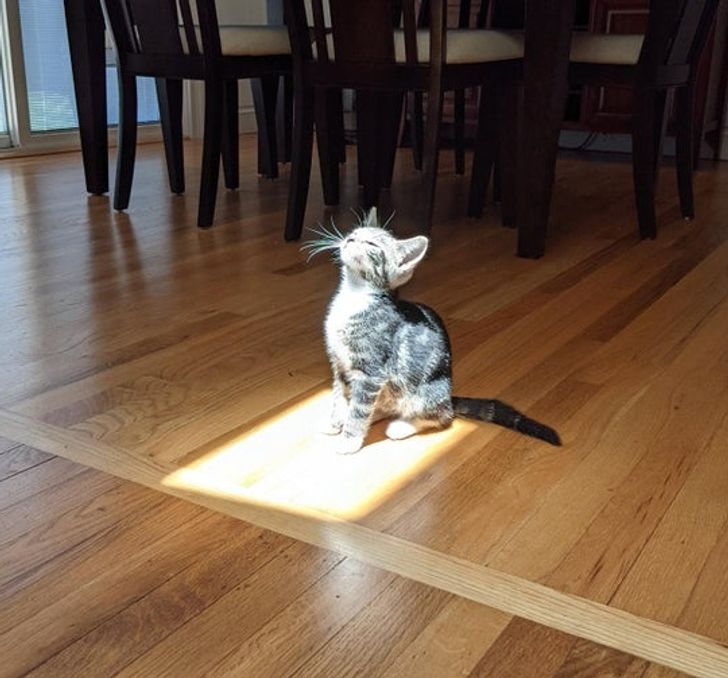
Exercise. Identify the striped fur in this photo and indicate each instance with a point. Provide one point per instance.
(391, 359)
(502, 414)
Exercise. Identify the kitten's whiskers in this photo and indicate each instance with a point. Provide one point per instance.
(328, 240)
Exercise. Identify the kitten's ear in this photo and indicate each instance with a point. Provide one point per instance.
(371, 218)
(411, 252)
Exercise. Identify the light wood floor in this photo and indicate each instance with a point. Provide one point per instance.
(103, 577)
(191, 362)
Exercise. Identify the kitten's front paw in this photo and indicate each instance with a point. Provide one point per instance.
(331, 428)
(349, 445)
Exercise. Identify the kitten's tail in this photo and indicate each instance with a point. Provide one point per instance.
(502, 414)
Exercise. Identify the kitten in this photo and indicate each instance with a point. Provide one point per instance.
(391, 358)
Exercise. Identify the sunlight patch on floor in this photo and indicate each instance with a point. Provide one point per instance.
(285, 463)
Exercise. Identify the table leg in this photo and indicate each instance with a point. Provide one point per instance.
(85, 26)
(546, 64)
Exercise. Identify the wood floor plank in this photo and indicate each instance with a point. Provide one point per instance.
(378, 633)
(42, 545)
(524, 649)
(587, 660)
(36, 480)
(40, 636)
(599, 623)
(616, 435)
(19, 458)
(452, 643)
(222, 626)
(193, 362)
(38, 509)
(613, 541)
(313, 619)
(688, 541)
(122, 637)
(335, 622)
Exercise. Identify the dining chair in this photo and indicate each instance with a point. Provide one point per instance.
(662, 61)
(176, 40)
(416, 103)
(362, 50)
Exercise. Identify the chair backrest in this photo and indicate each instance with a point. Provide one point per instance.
(163, 27)
(676, 32)
(692, 31)
(362, 30)
(465, 14)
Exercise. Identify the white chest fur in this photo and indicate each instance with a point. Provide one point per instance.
(353, 296)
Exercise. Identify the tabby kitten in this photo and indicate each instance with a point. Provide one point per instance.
(391, 358)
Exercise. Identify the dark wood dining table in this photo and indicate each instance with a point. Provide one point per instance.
(548, 29)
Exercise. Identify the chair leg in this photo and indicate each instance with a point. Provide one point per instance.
(265, 93)
(416, 128)
(328, 143)
(391, 121)
(459, 131)
(211, 147)
(498, 177)
(301, 152)
(169, 97)
(507, 163)
(127, 140)
(284, 118)
(647, 120)
(684, 155)
(367, 146)
(231, 136)
(337, 122)
(486, 145)
(431, 150)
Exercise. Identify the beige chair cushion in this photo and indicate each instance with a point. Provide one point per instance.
(249, 40)
(464, 46)
(593, 48)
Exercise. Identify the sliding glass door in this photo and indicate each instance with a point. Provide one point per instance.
(38, 82)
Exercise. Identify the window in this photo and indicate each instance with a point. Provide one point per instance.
(41, 78)
(3, 112)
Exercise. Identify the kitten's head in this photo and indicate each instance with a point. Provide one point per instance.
(374, 254)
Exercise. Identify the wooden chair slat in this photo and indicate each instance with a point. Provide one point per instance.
(319, 30)
(438, 32)
(119, 23)
(210, 32)
(464, 14)
(363, 30)
(693, 27)
(157, 26)
(481, 20)
(409, 25)
(189, 27)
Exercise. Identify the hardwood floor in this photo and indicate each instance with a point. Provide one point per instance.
(191, 362)
(116, 579)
